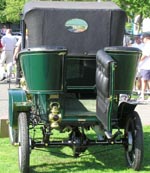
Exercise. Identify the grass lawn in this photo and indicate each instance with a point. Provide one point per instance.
(99, 159)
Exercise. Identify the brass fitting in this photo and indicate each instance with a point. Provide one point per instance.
(55, 116)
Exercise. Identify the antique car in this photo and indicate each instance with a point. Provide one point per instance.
(75, 69)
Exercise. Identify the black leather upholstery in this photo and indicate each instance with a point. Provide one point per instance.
(103, 80)
(103, 61)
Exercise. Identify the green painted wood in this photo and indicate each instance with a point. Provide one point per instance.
(43, 70)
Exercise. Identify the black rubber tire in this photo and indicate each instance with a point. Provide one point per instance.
(23, 139)
(13, 135)
(134, 155)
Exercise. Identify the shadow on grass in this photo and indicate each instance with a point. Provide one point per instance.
(146, 160)
(96, 159)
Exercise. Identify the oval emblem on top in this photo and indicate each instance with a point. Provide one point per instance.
(76, 25)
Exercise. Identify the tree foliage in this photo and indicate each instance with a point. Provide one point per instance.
(134, 8)
(2, 7)
(10, 9)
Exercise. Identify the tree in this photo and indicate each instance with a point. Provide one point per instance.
(10, 10)
(134, 8)
(13, 10)
(2, 7)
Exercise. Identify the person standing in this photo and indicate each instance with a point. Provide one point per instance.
(16, 57)
(138, 44)
(16, 60)
(8, 42)
(145, 64)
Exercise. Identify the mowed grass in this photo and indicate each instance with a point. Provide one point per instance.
(97, 159)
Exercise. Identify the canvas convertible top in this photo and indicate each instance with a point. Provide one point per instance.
(81, 27)
(70, 5)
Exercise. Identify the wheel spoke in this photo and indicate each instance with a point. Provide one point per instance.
(134, 135)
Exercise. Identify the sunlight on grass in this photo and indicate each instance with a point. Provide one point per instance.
(99, 159)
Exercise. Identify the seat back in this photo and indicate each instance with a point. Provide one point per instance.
(127, 59)
(43, 68)
(104, 86)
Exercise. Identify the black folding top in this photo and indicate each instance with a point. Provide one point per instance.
(70, 5)
(81, 27)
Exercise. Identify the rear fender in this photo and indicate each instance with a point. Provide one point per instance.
(17, 103)
(125, 110)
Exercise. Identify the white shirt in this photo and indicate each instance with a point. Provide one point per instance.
(139, 46)
(145, 64)
(9, 42)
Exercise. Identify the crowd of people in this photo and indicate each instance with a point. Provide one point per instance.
(142, 81)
